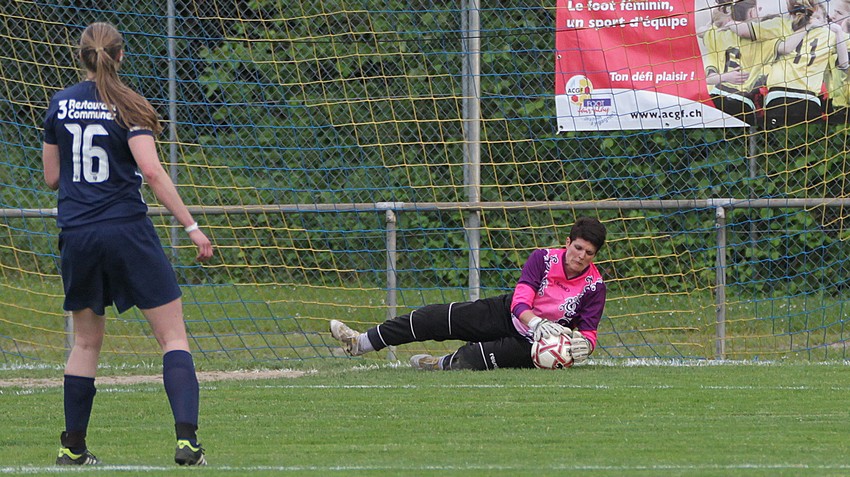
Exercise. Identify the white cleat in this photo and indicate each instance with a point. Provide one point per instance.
(425, 362)
(349, 338)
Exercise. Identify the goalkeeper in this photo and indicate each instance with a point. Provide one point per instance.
(559, 291)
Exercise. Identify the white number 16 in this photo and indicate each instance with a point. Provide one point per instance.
(86, 154)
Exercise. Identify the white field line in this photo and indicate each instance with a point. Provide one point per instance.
(111, 469)
(619, 362)
(34, 385)
(373, 387)
(368, 387)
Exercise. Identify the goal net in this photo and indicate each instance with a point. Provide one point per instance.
(356, 161)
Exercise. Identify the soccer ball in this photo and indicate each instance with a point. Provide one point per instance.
(552, 352)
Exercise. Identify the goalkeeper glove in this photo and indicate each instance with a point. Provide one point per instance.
(541, 328)
(579, 347)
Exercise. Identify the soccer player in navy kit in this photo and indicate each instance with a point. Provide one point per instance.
(98, 146)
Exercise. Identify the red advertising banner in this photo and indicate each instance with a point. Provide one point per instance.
(628, 64)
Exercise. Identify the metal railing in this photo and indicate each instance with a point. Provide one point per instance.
(721, 207)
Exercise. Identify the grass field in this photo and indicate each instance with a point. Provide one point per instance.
(362, 417)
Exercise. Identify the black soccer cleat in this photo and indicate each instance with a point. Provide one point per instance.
(66, 457)
(188, 455)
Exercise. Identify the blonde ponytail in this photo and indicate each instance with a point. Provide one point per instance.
(101, 52)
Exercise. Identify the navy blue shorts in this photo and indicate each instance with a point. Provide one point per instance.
(120, 262)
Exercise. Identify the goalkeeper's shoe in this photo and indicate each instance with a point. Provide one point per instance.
(66, 457)
(188, 455)
(425, 362)
(349, 338)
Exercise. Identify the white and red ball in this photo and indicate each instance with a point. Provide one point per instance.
(552, 352)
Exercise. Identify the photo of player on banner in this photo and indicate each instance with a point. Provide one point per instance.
(699, 64)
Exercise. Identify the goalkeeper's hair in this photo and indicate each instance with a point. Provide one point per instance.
(589, 229)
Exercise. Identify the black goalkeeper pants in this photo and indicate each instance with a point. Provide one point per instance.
(486, 326)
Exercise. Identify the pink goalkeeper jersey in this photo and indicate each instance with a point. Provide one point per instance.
(544, 288)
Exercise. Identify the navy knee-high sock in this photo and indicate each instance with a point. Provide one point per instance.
(79, 396)
(181, 386)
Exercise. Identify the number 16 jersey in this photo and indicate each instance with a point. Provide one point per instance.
(98, 176)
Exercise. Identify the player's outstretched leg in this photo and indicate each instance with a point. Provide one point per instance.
(509, 352)
(186, 454)
(353, 342)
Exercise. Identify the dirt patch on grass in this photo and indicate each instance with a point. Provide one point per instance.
(203, 377)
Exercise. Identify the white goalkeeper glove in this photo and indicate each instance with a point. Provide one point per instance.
(541, 328)
(579, 347)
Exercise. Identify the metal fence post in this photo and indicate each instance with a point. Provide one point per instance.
(471, 71)
(720, 291)
(174, 230)
(392, 273)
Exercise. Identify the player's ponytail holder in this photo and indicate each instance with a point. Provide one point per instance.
(191, 228)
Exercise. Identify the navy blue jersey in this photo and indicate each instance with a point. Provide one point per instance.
(98, 176)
